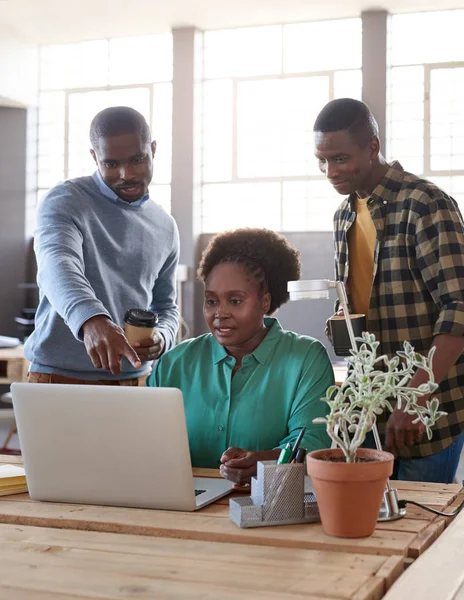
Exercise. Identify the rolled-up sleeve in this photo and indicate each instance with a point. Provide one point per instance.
(440, 258)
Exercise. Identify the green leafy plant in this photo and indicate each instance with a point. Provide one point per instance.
(368, 391)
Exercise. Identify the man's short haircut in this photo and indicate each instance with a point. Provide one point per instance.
(347, 114)
(118, 120)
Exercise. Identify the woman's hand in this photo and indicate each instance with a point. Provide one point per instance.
(239, 465)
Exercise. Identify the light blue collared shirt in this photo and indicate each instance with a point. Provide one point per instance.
(111, 194)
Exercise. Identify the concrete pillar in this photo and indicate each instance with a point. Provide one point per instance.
(186, 153)
(374, 66)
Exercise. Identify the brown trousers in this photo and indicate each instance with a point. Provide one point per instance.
(50, 378)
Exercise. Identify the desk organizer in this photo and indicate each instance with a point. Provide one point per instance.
(277, 498)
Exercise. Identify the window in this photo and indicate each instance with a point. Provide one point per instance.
(263, 89)
(79, 80)
(425, 97)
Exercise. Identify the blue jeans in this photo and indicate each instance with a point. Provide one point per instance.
(437, 468)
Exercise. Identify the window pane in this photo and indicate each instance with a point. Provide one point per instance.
(83, 106)
(217, 130)
(323, 45)
(452, 185)
(259, 109)
(309, 205)
(143, 59)
(243, 52)
(74, 65)
(447, 119)
(275, 121)
(348, 84)
(232, 205)
(162, 131)
(414, 37)
(161, 194)
(50, 139)
(405, 114)
(440, 129)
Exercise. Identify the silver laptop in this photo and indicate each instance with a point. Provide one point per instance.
(110, 445)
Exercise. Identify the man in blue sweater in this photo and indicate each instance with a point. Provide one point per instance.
(103, 247)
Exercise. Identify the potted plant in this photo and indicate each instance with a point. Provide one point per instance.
(349, 481)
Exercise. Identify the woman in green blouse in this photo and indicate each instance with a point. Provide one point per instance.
(249, 386)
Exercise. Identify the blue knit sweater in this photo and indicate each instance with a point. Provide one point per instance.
(97, 254)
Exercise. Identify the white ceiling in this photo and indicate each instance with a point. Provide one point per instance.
(57, 21)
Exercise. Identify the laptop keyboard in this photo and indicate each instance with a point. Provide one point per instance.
(198, 492)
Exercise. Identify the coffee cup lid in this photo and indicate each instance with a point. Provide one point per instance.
(141, 318)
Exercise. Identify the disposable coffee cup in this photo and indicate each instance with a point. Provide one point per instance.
(139, 324)
(339, 332)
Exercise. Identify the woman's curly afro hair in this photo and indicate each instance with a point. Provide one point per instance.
(264, 254)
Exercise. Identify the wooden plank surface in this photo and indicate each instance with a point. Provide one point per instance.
(209, 524)
(439, 573)
(39, 563)
(407, 537)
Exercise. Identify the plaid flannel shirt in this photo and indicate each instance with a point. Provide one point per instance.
(418, 286)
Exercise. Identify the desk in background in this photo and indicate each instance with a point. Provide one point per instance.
(13, 365)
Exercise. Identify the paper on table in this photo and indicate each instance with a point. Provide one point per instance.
(11, 472)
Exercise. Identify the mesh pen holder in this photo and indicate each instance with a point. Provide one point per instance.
(277, 498)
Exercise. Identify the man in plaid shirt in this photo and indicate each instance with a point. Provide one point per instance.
(399, 248)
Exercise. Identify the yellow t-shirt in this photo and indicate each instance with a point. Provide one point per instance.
(361, 247)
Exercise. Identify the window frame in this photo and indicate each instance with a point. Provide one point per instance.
(105, 87)
(280, 179)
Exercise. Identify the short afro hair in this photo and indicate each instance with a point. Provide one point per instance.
(347, 114)
(264, 254)
(118, 120)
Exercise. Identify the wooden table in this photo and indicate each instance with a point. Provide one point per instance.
(57, 551)
(444, 561)
(38, 563)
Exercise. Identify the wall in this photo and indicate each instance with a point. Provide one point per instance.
(306, 316)
(19, 62)
(18, 101)
(13, 125)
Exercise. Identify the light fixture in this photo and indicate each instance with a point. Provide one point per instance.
(312, 289)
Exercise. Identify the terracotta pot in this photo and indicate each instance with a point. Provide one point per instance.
(349, 495)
